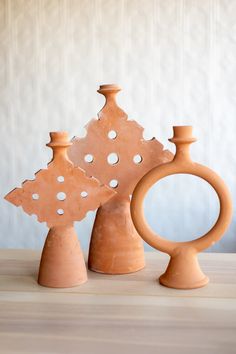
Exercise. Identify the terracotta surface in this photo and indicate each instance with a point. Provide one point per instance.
(115, 246)
(183, 271)
(115, 236)
(60, 195)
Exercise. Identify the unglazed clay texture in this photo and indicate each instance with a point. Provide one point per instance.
(176, 62)
(115, 152)
(60, 195)
(183, 270)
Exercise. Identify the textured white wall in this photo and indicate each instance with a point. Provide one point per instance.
(175, 60)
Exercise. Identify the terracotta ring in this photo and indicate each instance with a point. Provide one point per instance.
(168, 169)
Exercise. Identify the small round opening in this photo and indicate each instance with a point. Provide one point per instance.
(113, 183)
(88, 158)
(137, 159)
(112, 134)
(61, 196)
(84, 194)
(60, 179)
(112, 158)
(60, 211)
(35, 196)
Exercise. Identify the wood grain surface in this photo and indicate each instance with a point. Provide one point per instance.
(117, 314)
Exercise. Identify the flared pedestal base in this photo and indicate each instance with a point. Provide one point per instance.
(115, 246)
(184, 272)
(62, 263)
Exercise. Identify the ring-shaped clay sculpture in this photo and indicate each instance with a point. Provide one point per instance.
(183, 271)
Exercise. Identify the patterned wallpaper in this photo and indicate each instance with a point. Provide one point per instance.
(174, 59)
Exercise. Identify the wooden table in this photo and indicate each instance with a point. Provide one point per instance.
(122, 314)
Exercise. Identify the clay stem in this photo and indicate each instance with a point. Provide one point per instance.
(182, 152)
(110, 97)
(59, 152)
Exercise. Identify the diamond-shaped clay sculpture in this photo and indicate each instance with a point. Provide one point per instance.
(115, 152)
(60, 195)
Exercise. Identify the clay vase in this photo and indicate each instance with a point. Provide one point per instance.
(60, 195)
(115, 152)
(183, 271)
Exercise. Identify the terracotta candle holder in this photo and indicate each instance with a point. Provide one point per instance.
(183, 271)
(60, 195)
(115, 152)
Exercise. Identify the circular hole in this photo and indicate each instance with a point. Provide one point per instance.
(60, 179)
(61, 196)
(113, 183)
(35, 196)
(88, 158)
(84, 194)
(60, 211)
(181, 207)
(112, 134)
(112, 158)
(137, 159)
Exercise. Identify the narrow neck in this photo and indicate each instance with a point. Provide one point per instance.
(59, 152)
(110, 97)
(59, 144)
(182, 152)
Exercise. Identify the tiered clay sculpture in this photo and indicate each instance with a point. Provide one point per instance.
(115, 152)
(60, 195)
(183, 271)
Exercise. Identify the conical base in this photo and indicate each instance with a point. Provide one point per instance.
(184, 272)
(115, 246)
(62, 263)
